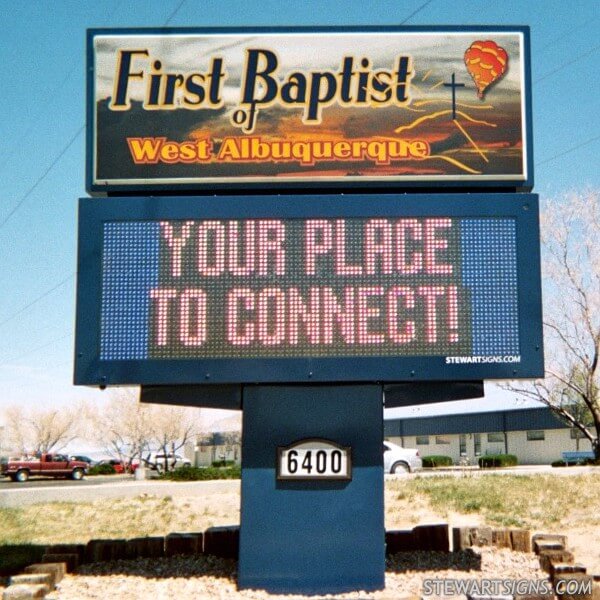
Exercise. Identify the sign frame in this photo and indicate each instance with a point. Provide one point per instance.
(90, 370)
(101, 187)
(345, 476)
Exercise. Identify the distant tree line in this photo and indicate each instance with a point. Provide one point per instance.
(123, 427)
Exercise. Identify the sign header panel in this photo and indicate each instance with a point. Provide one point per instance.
(339, 108)
(339, 289)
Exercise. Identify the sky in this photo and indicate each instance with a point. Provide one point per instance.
(42, 143)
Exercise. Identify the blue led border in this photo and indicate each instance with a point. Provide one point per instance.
(93, 214)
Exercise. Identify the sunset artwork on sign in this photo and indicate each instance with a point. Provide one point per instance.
(195, 109)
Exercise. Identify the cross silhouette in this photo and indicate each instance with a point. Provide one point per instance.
(454, 85)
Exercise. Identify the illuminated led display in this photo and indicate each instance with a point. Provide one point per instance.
(308, 287)
(194, 295)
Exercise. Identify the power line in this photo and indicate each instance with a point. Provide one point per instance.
(547, 160)
(67, 146)
(412, 14)
(54, 95)
(26, 134)
(40, 297)
(172, 15)
(567, 64)
(38, 348)
(42, 177)
(565, 34)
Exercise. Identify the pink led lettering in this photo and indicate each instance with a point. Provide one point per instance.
(367, 311)
(430, 293)
(211, 248)
(452, 296)
(176, 243)
(341, 267)
(318, 242)
(308, 287)
(433, 244)
(240, 333)
(192, 331)
(406, 229)
(241, 258)
(271, 239)
(406, 296)
(162, 296)
(309, 315)
(378, 245)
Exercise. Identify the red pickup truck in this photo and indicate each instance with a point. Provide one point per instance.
(48, 465)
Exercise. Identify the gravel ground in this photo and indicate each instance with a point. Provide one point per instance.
(186, 577)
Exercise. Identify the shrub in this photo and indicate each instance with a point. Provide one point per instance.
(497, 460)
(434, 460)
(202, 473)
(559, 463)
(104, 469)
(223, 463)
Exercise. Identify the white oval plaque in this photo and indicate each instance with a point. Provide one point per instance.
(314, 458)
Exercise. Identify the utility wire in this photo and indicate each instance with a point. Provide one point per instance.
(569, 150)
(52, 94)
(66, 147)
(567, 64)
(26, 134)
(36, 184)
(412, 14)
(172, 15)
(565, 35)
(38, 348)
(42, 177)
(40, 297)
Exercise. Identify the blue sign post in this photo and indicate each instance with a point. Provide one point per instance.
(315, 535)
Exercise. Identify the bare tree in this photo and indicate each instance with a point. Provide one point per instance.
(130, 430)
(35, 430)
(571, 267)
(123, 426)
(172, 427)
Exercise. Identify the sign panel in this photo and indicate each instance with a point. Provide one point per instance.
(329, 107)
(342, 288)
(314, 458)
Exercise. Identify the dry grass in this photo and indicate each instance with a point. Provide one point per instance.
(70, 522)
(542, 501)
(516, 500)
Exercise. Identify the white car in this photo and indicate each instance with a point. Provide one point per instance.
(157, 462)
(397, 459)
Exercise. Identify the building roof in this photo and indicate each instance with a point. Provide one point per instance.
(483, 422)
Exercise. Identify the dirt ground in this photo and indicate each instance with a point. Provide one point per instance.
(583, 535)
(570, 507)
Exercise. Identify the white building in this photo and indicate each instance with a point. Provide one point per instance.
(218, 446)
(534, 435)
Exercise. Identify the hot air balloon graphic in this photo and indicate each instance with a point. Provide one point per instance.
(486, 62)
